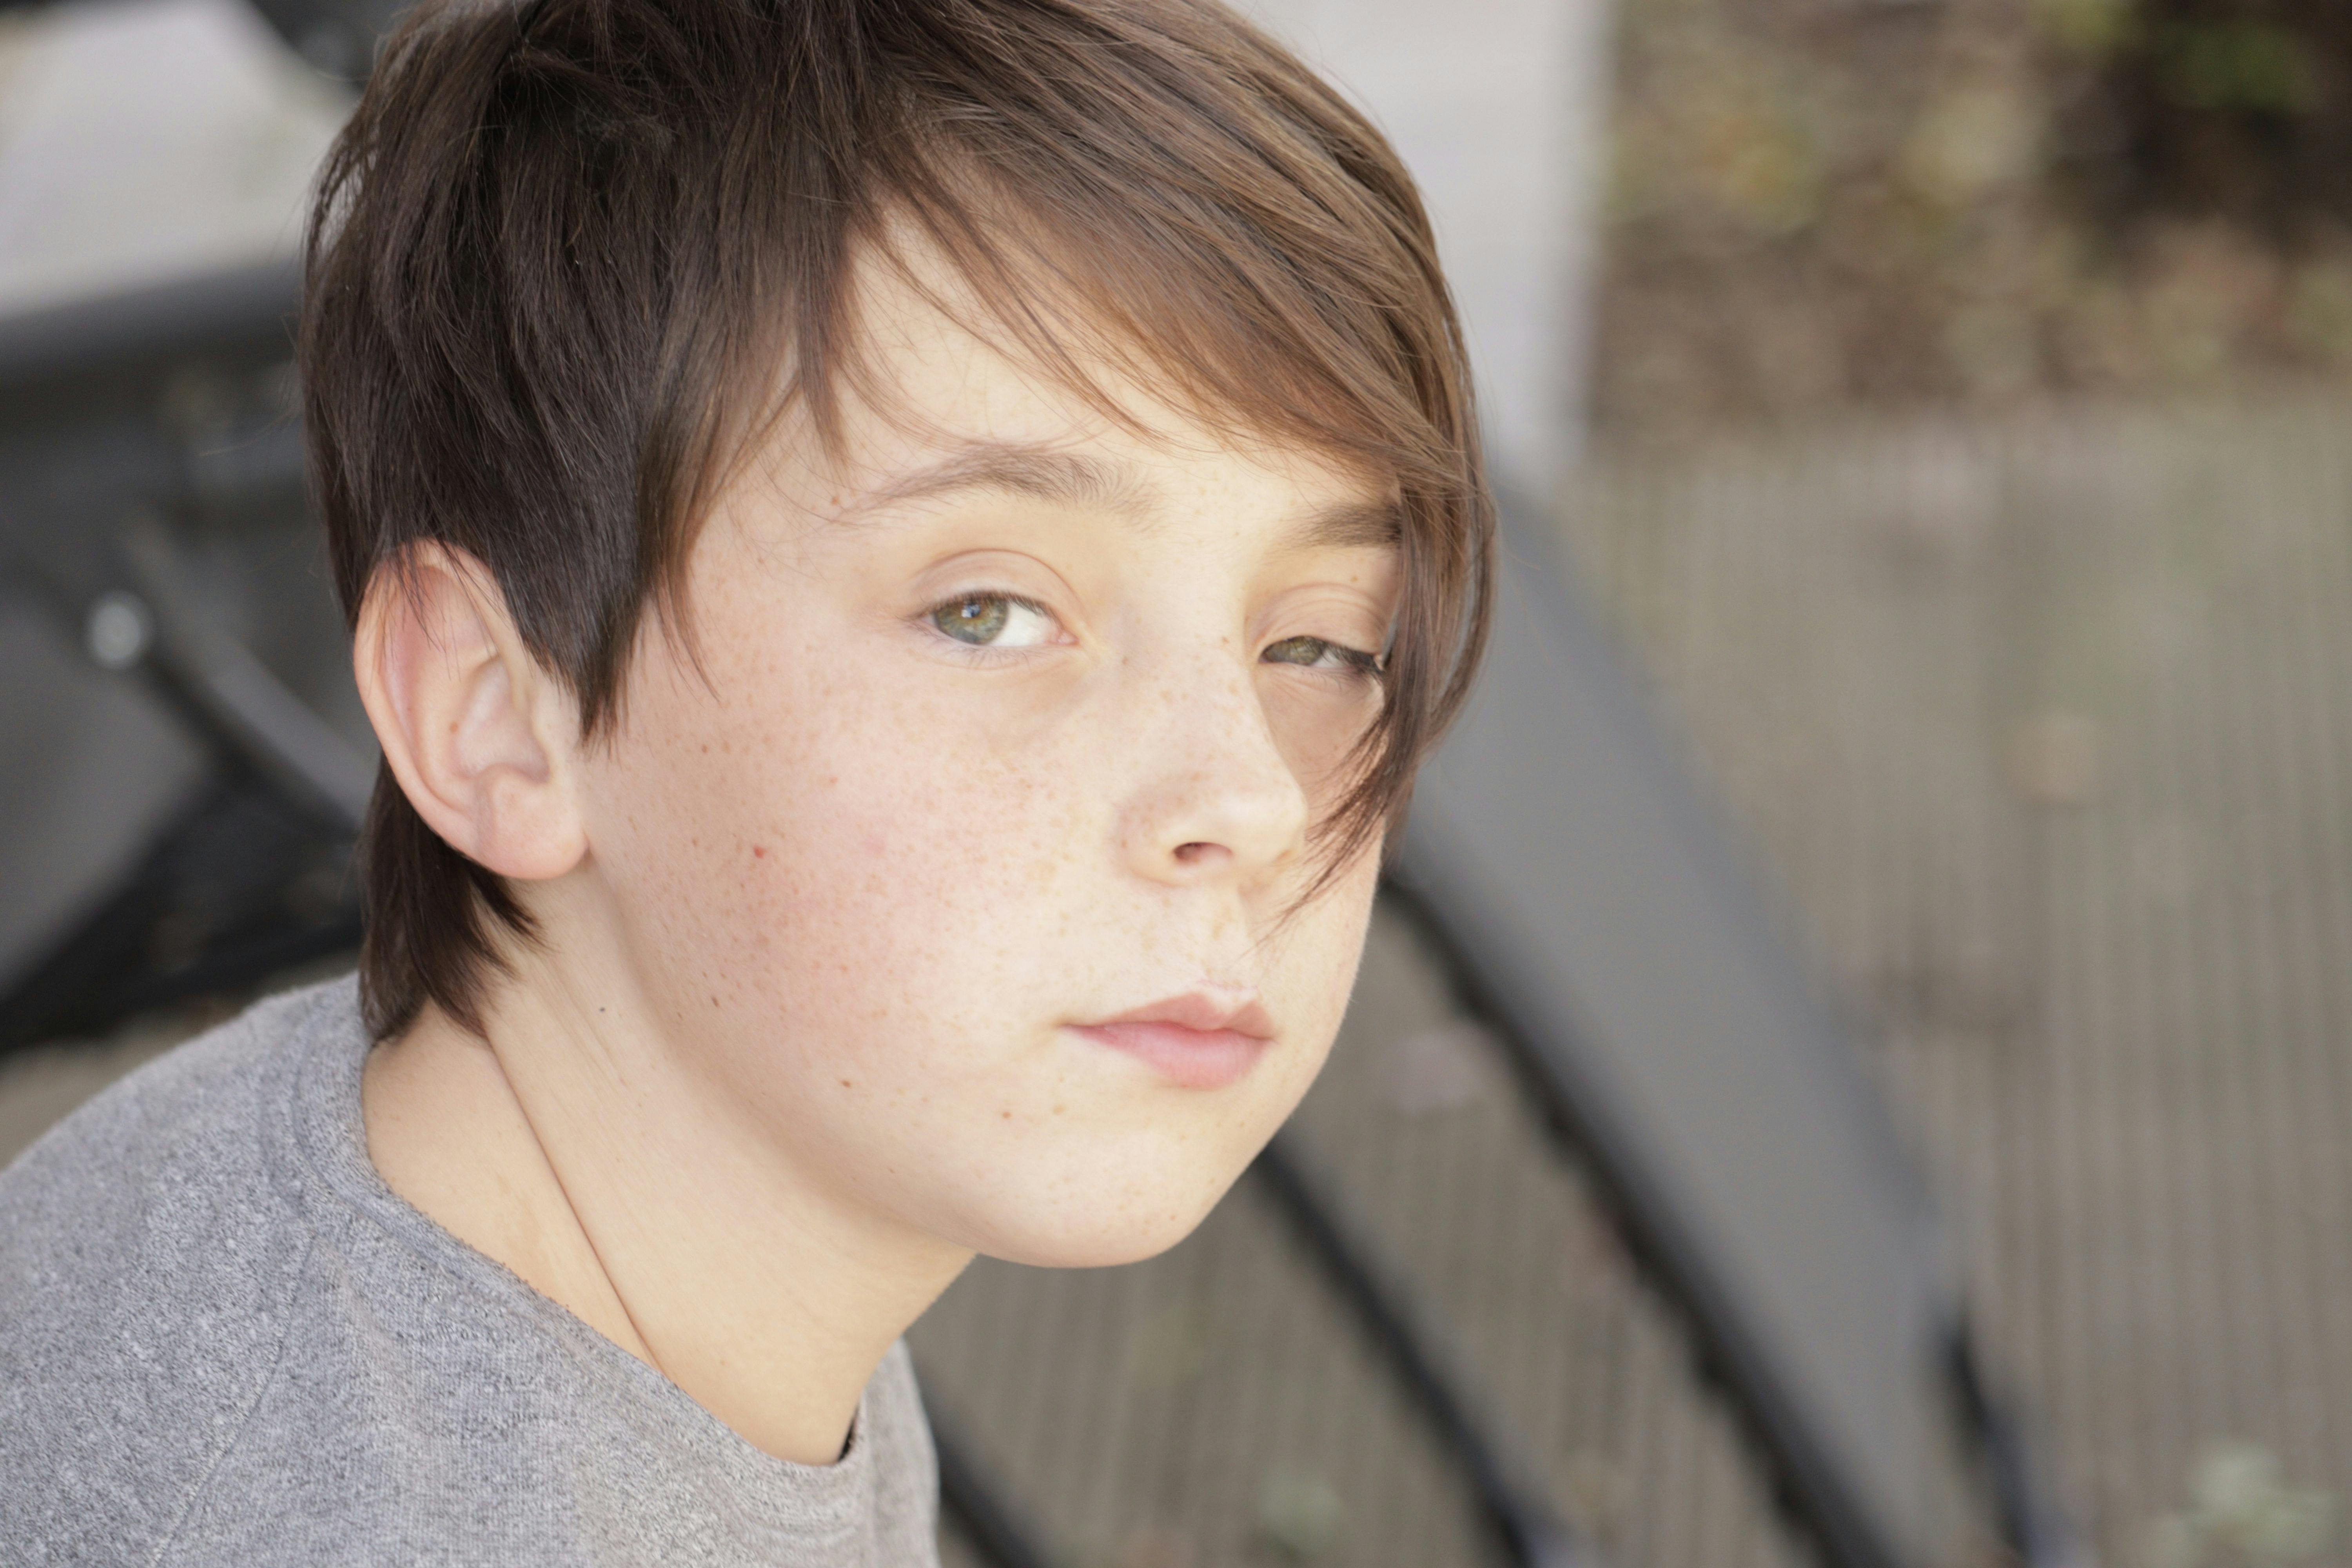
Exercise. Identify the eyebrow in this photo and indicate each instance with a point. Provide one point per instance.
(1069, 479)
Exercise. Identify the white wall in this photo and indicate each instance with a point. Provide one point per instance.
(1497, 106)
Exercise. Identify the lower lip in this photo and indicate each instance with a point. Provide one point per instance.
(1190, 1058)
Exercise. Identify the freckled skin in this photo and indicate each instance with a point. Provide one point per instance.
(967, 858)
(793, 1045)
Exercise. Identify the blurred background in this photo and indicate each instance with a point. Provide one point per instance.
(1941, 404)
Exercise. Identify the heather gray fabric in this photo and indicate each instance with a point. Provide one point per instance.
(224, 1340)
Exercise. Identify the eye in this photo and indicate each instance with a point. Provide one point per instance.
(1316, 653)
(994, 620)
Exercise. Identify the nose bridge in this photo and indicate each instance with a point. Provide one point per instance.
(1209, 770)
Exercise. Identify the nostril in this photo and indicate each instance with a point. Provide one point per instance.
(1192, 853)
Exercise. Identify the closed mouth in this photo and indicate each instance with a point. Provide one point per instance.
(1196, 1040)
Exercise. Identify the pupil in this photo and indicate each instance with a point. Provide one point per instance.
(974, 620)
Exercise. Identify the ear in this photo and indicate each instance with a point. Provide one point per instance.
(483, 740)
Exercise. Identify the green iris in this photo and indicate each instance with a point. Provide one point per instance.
(977, 620)
(1297, 651)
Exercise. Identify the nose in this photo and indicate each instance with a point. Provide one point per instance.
(1213, 797)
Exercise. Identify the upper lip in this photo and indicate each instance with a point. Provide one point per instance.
(1242, 1013)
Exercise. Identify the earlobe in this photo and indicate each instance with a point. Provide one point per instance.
(483, 741)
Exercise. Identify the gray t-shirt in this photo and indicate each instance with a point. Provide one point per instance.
(224, 1341)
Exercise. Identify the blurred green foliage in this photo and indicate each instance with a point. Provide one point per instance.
(2244, 66)
(2236, 108)
(1826, 205)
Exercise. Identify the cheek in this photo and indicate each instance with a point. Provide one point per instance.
(823, 855)
(1318, 724)
(1312, 963)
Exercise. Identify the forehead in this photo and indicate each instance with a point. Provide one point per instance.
(936, 402)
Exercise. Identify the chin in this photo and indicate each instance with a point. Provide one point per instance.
(1104, 1248)
(1110, 1224)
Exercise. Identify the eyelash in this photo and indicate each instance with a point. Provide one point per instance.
(1354, 663)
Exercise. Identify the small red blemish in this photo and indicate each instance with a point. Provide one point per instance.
(1008, 1116)
(758, 851)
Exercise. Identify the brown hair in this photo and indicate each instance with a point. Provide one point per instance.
(560, 251)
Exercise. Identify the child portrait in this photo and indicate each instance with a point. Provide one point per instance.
(902, 558)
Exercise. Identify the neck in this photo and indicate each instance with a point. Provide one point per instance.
(573, 1142)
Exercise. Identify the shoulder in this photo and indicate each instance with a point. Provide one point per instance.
(164, 1161)
(149, 1244)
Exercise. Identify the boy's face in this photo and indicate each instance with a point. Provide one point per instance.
(1011, 724)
